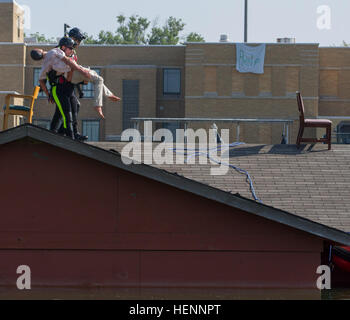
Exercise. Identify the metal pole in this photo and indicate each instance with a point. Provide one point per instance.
(246, 21)
(284, 140)
(66, 26)
(238, 132)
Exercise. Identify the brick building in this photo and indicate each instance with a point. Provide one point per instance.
(191, 80)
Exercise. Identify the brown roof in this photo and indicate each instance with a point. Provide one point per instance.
(312, 182)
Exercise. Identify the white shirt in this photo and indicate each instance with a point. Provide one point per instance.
(53, 61)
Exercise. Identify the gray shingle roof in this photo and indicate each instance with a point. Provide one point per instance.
(312, 182)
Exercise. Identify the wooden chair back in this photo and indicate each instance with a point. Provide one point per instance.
(20, 110)
(301, 107)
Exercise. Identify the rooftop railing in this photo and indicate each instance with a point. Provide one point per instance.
(237, 121)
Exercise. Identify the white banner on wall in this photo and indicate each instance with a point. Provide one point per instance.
(250, 59)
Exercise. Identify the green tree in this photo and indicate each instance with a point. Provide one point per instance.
(194, 37)
(132, 31)
(168, 34)
(107, 37)
(89, 39)
(42, 38)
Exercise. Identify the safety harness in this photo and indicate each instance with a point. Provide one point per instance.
(54, 79)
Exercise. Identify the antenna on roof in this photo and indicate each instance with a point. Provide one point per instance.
(66, 26)
(246, 21)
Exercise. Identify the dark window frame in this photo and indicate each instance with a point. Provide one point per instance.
(95, 121)
(89, 89)
(36, 74)
(167, 93)
(19, 26)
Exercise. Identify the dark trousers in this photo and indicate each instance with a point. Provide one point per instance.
(75, 104)
(62, 94)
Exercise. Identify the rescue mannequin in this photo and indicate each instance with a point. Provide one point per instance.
(100, 88)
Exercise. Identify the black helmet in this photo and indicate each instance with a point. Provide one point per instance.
(67, 42)
(76, 33)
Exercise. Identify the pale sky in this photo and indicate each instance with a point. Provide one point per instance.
(268, 19)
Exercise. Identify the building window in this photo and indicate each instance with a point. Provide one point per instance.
(36, 82)
(172, 126)
(42, 123)
(343, 132)
(172, 81)
(19, 26)
(131, 104)
(89, 89)
(91, 128)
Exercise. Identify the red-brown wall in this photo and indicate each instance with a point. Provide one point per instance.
(79, 222)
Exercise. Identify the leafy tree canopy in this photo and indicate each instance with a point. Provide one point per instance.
(41, 38)
(194, 37)
(137, 30)
(134, 30)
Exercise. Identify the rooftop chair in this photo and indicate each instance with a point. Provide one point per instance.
(312, 123)
(20, 110)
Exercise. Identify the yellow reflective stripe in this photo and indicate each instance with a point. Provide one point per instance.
(54, 94)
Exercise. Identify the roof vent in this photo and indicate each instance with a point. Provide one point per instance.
(286, 40)
(31, 40)
(224, 38)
